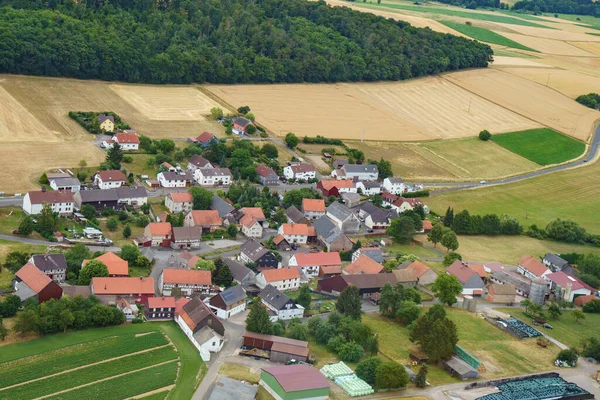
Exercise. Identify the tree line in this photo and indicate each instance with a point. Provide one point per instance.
(185, 41)
(463, 223)
(581, 7)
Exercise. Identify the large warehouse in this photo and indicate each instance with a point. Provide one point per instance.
(292, 382)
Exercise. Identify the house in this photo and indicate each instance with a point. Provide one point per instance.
(300, 171)
(366, 284)
(252, 221)
(171, 179)
(407, 277)
(185, 260)
(297, 233)
(501, 294)
(130, 310)
(469, 279)
(532, 268)
(159, 308)
(109, 179)
(128, 141)
(177, 202)
(208, 220)
(159, 234)
(566, 287)
(107, 122)
(280, 242)
(116, 265)
(295, 216)
(331, 236)
(31, 282)
(254, 252)
(267, 176)
(339, 162)
(300, 381)
(388, 198)
(196, 162)
(240, 124)
(351, 200)
(52, 265)
(313, 208)
(311, 263)
(229, 302)
(224, 209)
(363, 265)
(109, 289)
(97, 198)
(404, 204)
(282, 278)
(213, 176)
(165, 166)
(280, 306)
(374, 253)
(60, 202)
(555, 263)
(65, 184)
(281, 349)
(184, 282)
(360, 172)
(135, 196)
(393, 185)
(186, 237)
(422, 272)
(380, 219)
(202, 327)
(334, 187)
(343, 217)
(368, 188)
(206, 138)
(427, 226)
(241, 274)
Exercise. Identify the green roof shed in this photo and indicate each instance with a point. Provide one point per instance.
(294, 382)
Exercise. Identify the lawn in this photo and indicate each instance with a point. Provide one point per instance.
(415, 249)
(10, 218)
(543, 146)
(565, 329)
(7, 246)
(239, 372)
(139, 165)
(6, 278)
(485, 35)
(117, 236)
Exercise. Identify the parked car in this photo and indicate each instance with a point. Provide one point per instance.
(548, 326)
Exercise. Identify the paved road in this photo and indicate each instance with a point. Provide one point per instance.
(47, 243)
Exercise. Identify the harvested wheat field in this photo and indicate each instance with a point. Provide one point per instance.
(412, 110)
(570, 83)
(503, 61)
(555, 34)
(539, 103)
(547, 46)
(592, 47)
(15, 119)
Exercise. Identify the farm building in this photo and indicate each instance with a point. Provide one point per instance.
(350, 199)
(343, 217)
(109, 289)
(522, 284)
(363, 172)
(374, 253)
(208, 220)
(363, 265)
(331, 236)
(556, 263)
(459, 369)
(310, 263)
(407, 277)
(229, 302)
(158, 234)
(202, 327)
(116, 265)
(567, 287)
(241, 274)
(422, 272)
(159, 308)
(186, 237)
(282, 349)
(295, 216)
(224, 209)
(532, 268)
(366, 284)
(31, 282)
(232, 389)
(335, 187)
(469, 279)
(292, 382)
(254, 252)
(501, 294)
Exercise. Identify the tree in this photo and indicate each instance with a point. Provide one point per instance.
(114, 156)
(436, 334)
(202, 198)
(205, 265)
(449, 218)
(526, 303)
(270, 151)
(294, 197)
(26, 226)
(390, 375)
(365, 369)
(462, 222)
(232, 231)
(43, 179)
(92, 269)
(491, 225)
(446, 288)
(258, 319)
(385, 169)
(88, 211)
(421, 378)
(569, 356)
(251, 129)
(142, 262)
(130, 253)
(304, 297)
(509, 225)
(65, 319)
(350, 351)
(450, 241)
(291, 140)
(112, 224)
(127, 231)
(243, 110)
(578, 315)
(349, 303)
(592, 307)
(26, 322)
(450, 258)
(591, 347)
(485, 135)
(216, 113)
(298, 332)
(46, 221)
(314, 323)
(402, 229)
(408, 312)
(554, 311)
(15, 260)
(590, 265)
(435, 235)
(564, 230)
(387, 301)
(3, 330)
(222, 274)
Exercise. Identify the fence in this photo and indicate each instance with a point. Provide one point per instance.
(466, 357)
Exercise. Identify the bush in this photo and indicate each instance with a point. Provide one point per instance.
(485, 135)
(336, 343)
(569, 356)
(450, 258)
(593, 307)
(390, 375)
(365, 369)
(418, 193)
(350, 352)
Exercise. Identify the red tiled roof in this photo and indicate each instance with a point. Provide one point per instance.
(181, 197)
(479, 269)
(205, 137)
(263, 170)
(340, 184)
(115, 264)
(562, 279)
(315, 205)
(427, 225)
(160, 228)
(320, 259)
(206, 217)
(296, 229)
(297, 377)
(532, 265)
(126, 137)
(278, 239)
(191, 277)
(418, 268)
(161, 302)
(248, 221)
(123, 286)
(254, 212)
(113, 175)
(53, 196)
(363, 265)
(582, 300)
(274, 275)
(182, 301)
(331, 269)
(33, 277)
(461, 271)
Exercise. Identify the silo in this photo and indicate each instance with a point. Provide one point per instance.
(467, 301)
(472, 305)
(537, 293)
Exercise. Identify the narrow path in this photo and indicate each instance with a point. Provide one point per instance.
(160, 390)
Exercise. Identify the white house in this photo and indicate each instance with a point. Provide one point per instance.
(567, 287)
(279, 305)
(532, 268)
(393, 185)
(362, 172)
(229, 302)
(251, 227)
(132, 195)
(184, 281)
(196, 162)
(202, 327)
(297, 233)
(65, 184)
(127, 140)
(299, 171)
(313, 208)
(282, 278)
(109, 179)
(171, 179)
(213, 176)
(60, 202)
(310, 263)
(177, 202)
(368, 188)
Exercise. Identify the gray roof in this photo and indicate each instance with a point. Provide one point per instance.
(369, 208)
(93, 195)
(350, 196)
(327, 231)
(199, 161)
(338, 162)
(198, 311)
(253, 249)
(23, 291)
(187, 233)
(127, 192)
(46, 262)
(232, 389)
(358, 168)
(233, 295)
(459, 366)
(274, 297)
(221, 206)
(238, 271)
(522, 285)
(204, 334)
(374, 254)
(395, 180)
(73, 291)
(339, 211)
(294, 214)
(62, 182)
(555, 260)
(242, 121)
(173, 176)
(370, 184)
(215, 171)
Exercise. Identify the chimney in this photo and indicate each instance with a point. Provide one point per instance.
(104, 287)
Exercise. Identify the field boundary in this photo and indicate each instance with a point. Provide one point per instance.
(165, 389)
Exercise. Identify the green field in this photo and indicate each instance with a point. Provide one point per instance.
(87, 366)
(485, 35)
(543, 146)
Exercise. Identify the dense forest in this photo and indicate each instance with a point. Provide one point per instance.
(582, 7)
(221, 41)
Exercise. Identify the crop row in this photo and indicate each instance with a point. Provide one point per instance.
(38, 366)
(90, 374)
(125, 386)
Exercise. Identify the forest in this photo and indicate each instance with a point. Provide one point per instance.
(221, 41)
(581, 7)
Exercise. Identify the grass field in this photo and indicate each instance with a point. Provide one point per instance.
(485, 35)
(542, 146)
(110, 363)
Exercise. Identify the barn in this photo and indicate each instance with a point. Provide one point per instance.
(282, 349)
(291, 382)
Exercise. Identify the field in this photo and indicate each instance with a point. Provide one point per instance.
(542, 146)
(110, 363)
(485, 35)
